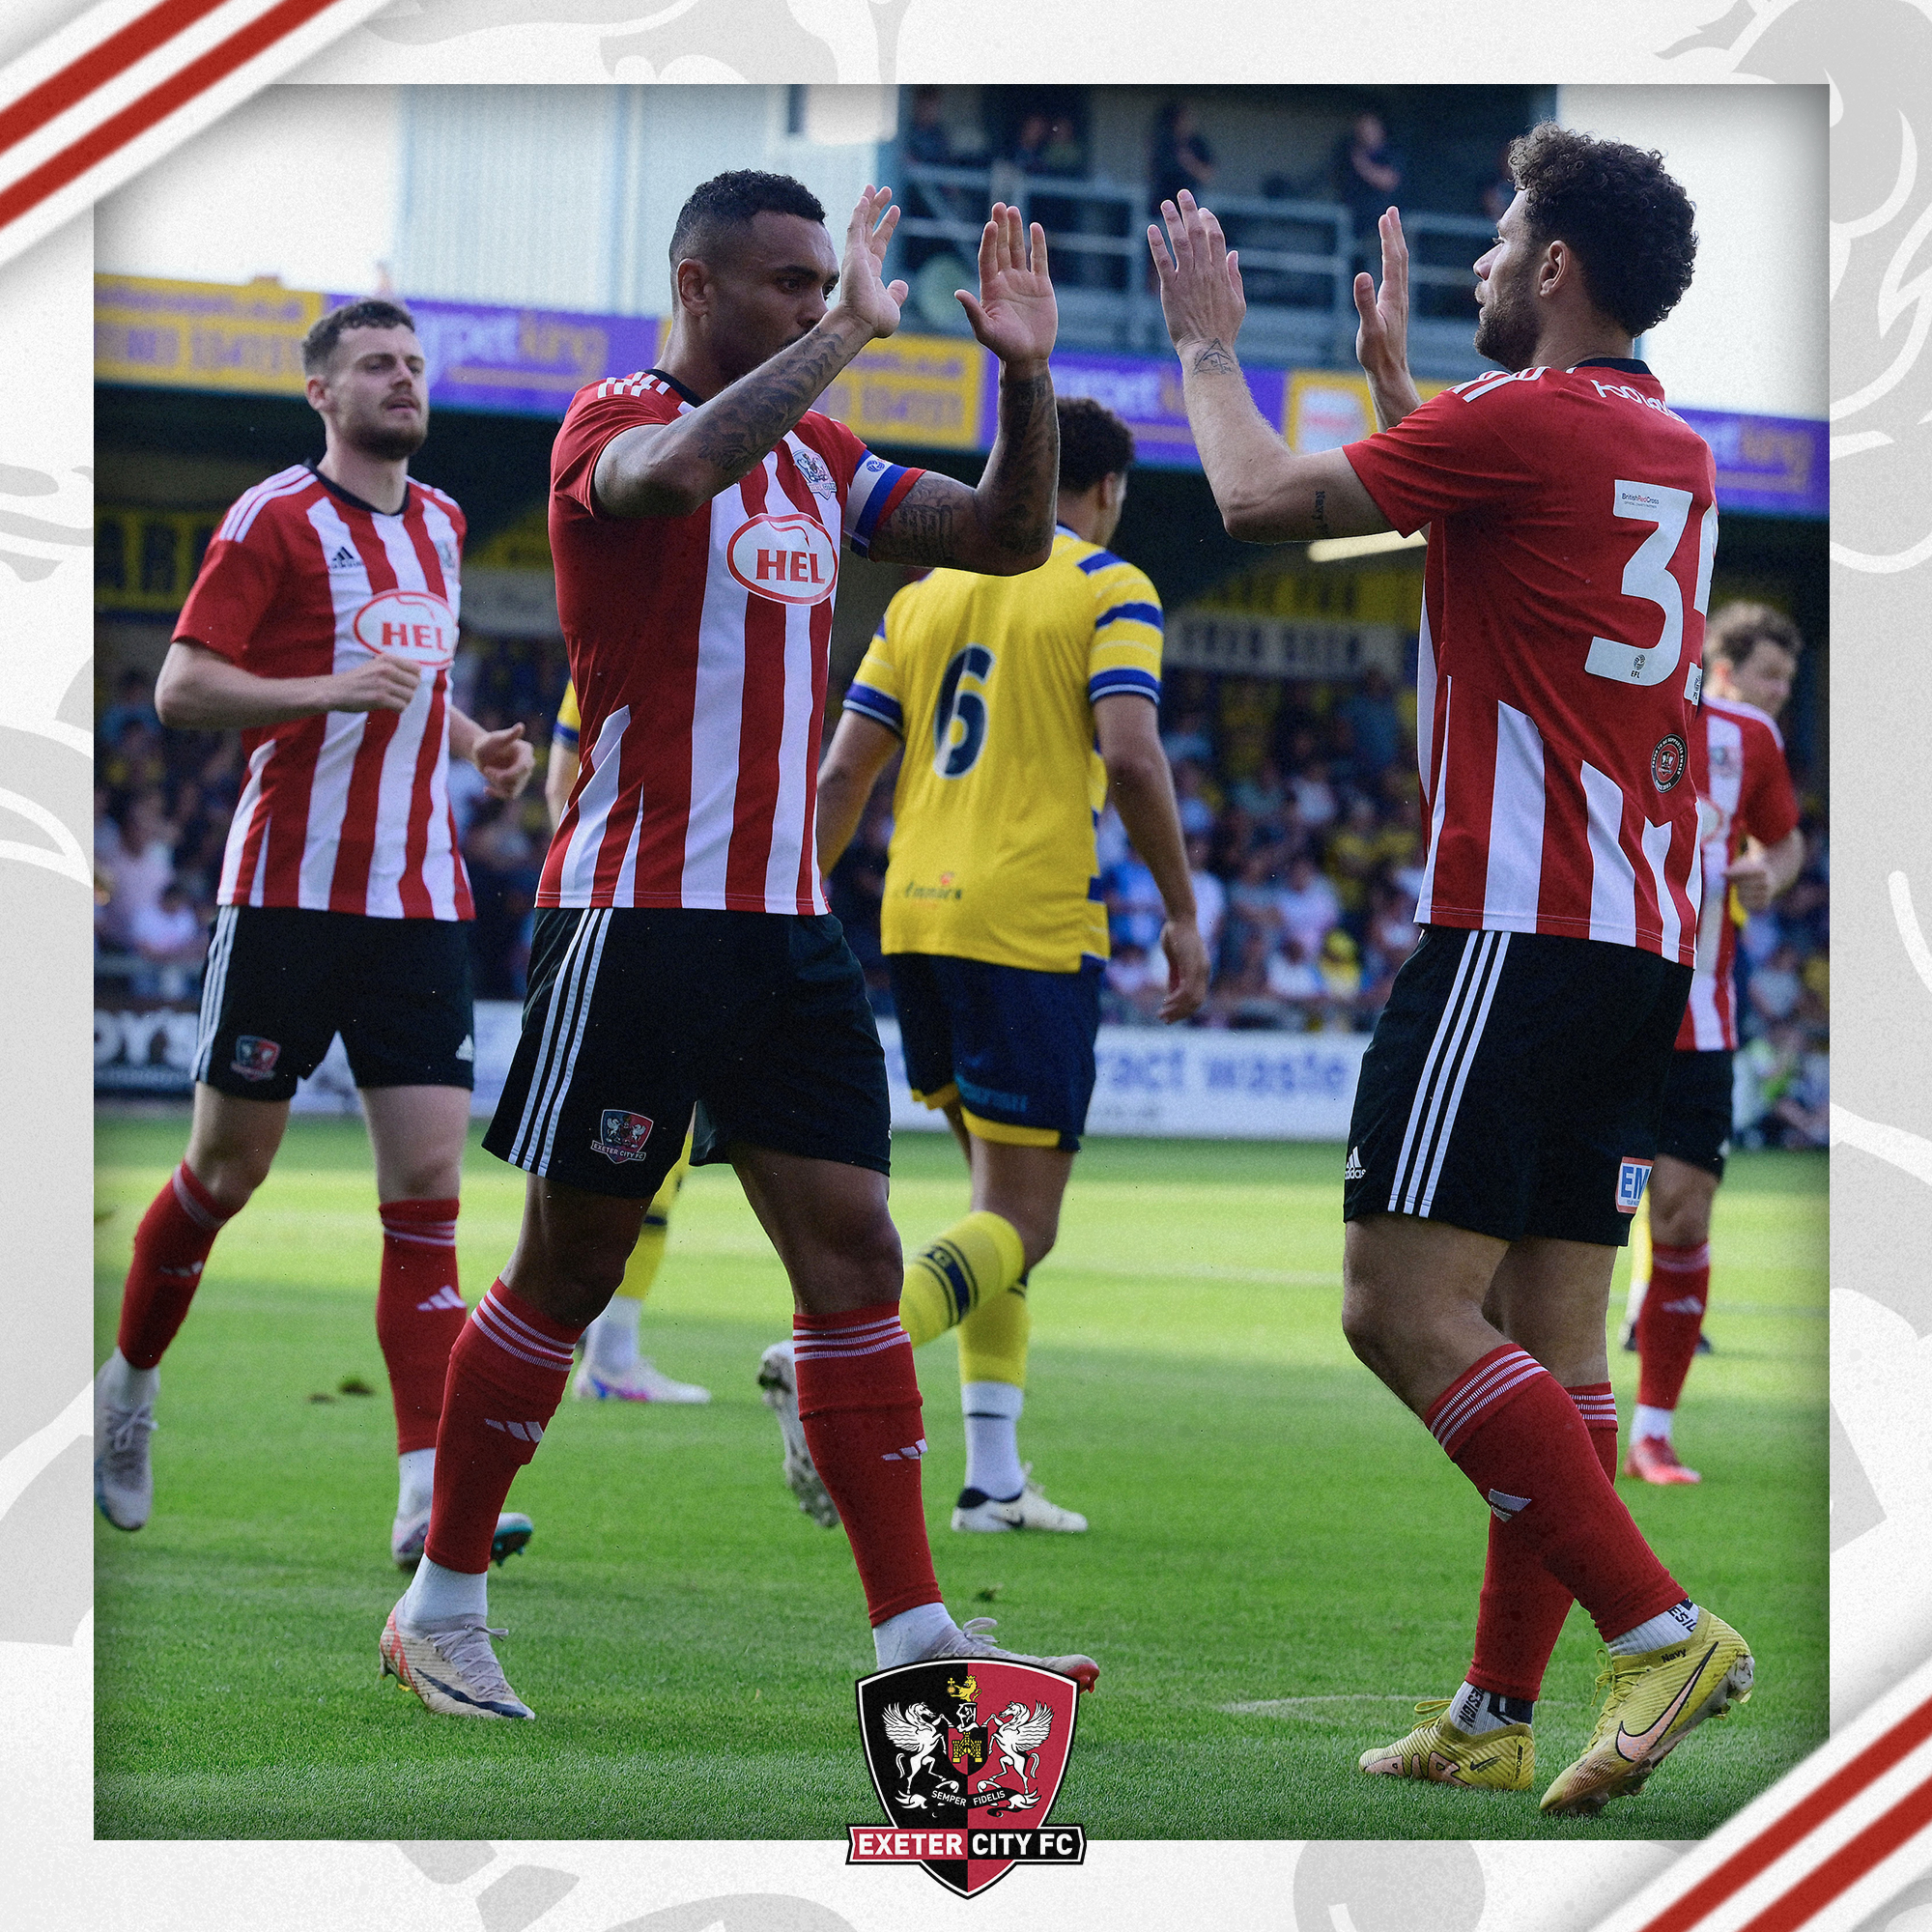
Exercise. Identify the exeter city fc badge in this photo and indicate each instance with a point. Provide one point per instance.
(1666, 762)
(966, 1758)
(621, 1134)
(254, 1056)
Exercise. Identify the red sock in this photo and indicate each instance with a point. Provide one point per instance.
(506, 1376)
(170, 1246)
(1522, 1606)
(1670, 1321)
(858, 1398)
(418, 1313)
(1509, 1425)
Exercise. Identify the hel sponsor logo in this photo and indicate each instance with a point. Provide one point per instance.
(1667, 761)
(789, 559)
(255, 1058)
(621, 1135)
(951, 1778)
(1632, 1176)
(415, 625)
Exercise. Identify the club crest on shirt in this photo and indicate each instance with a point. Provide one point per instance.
(789, 559)
(1667, 761)
(811, 469)
(254, 1056)
(622, 1135)
(415, 625)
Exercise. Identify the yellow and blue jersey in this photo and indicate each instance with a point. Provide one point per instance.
(991, 682)
(568, 720)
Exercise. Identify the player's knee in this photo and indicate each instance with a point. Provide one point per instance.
(231, 1172)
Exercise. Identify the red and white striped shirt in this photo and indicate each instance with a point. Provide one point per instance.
(1743, 789)
(698, 651)
(348, 812)
(1572, 525)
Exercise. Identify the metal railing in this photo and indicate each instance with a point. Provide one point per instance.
(1298, 262)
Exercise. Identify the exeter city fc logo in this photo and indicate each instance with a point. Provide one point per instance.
(621, 1134)
(966, 1759)
(1667, 761)
(254, 1056)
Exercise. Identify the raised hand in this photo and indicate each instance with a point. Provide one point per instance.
(383, 684)
(505, 760)
(1382, 342)
(863, 293)
(1200, 279)
(1015, 314)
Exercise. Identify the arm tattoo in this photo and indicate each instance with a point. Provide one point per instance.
(1216, 359)
(1022, 480)
(736, 429)
(943, 522)
(1321, 519)
(922, 528)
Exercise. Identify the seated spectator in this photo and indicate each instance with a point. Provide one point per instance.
(142, 869)
(1210, 896)
(133, 705)
(1776, 987)
(1189, 739)
(1254, 898)
(1261, 792)
(1135, 910)
(1341, 970)
(1315, 799)
(1292, 974)
(1137, 977)
(136, 762)
(1307, 904)
(1354, 855)
(1194, 798)
(1374, 729)
(1244, 997)
(170, 937)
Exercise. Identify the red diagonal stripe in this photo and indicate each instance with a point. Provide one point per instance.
(197, 77)
(97, 65)
(1849, 1863)
(1805, 1817)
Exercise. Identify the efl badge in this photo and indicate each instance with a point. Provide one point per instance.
(966, 1758)
(1633, 1176)
(254, 1059)
(621, 1134)
(1666, 762)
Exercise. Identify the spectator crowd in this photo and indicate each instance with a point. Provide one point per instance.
(1299, 802)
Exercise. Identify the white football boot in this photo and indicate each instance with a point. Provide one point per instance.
(1029, 1510)
(450, 1666)
(124, 1476)
(642, 1382)
(779, 1380)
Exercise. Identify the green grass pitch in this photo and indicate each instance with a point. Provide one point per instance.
(1281, 1560)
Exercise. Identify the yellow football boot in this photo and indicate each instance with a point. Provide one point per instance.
(1657, 1698)
(1503, 1759)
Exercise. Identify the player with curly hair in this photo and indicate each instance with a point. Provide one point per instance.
(1509, 1104)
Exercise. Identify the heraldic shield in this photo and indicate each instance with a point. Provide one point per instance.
(966, 1757)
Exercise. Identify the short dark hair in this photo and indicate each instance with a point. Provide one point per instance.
(1628, 221)
(1094, 443)
(371, 312)
(731, 200)
(1738, 629)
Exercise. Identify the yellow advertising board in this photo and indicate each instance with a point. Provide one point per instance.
(202, 335)
(146, 559)
(915, 389)
(1324, 409)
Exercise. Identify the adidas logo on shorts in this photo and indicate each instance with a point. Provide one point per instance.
(1355, 1170)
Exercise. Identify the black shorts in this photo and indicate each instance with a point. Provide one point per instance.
(1014, 1047)
(635, 1015)
(1515, 1086)
(281, 982)
(1696, 1124)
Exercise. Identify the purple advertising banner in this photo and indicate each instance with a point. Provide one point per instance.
(1776, 465)
(520, 360)
(1145, 392)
